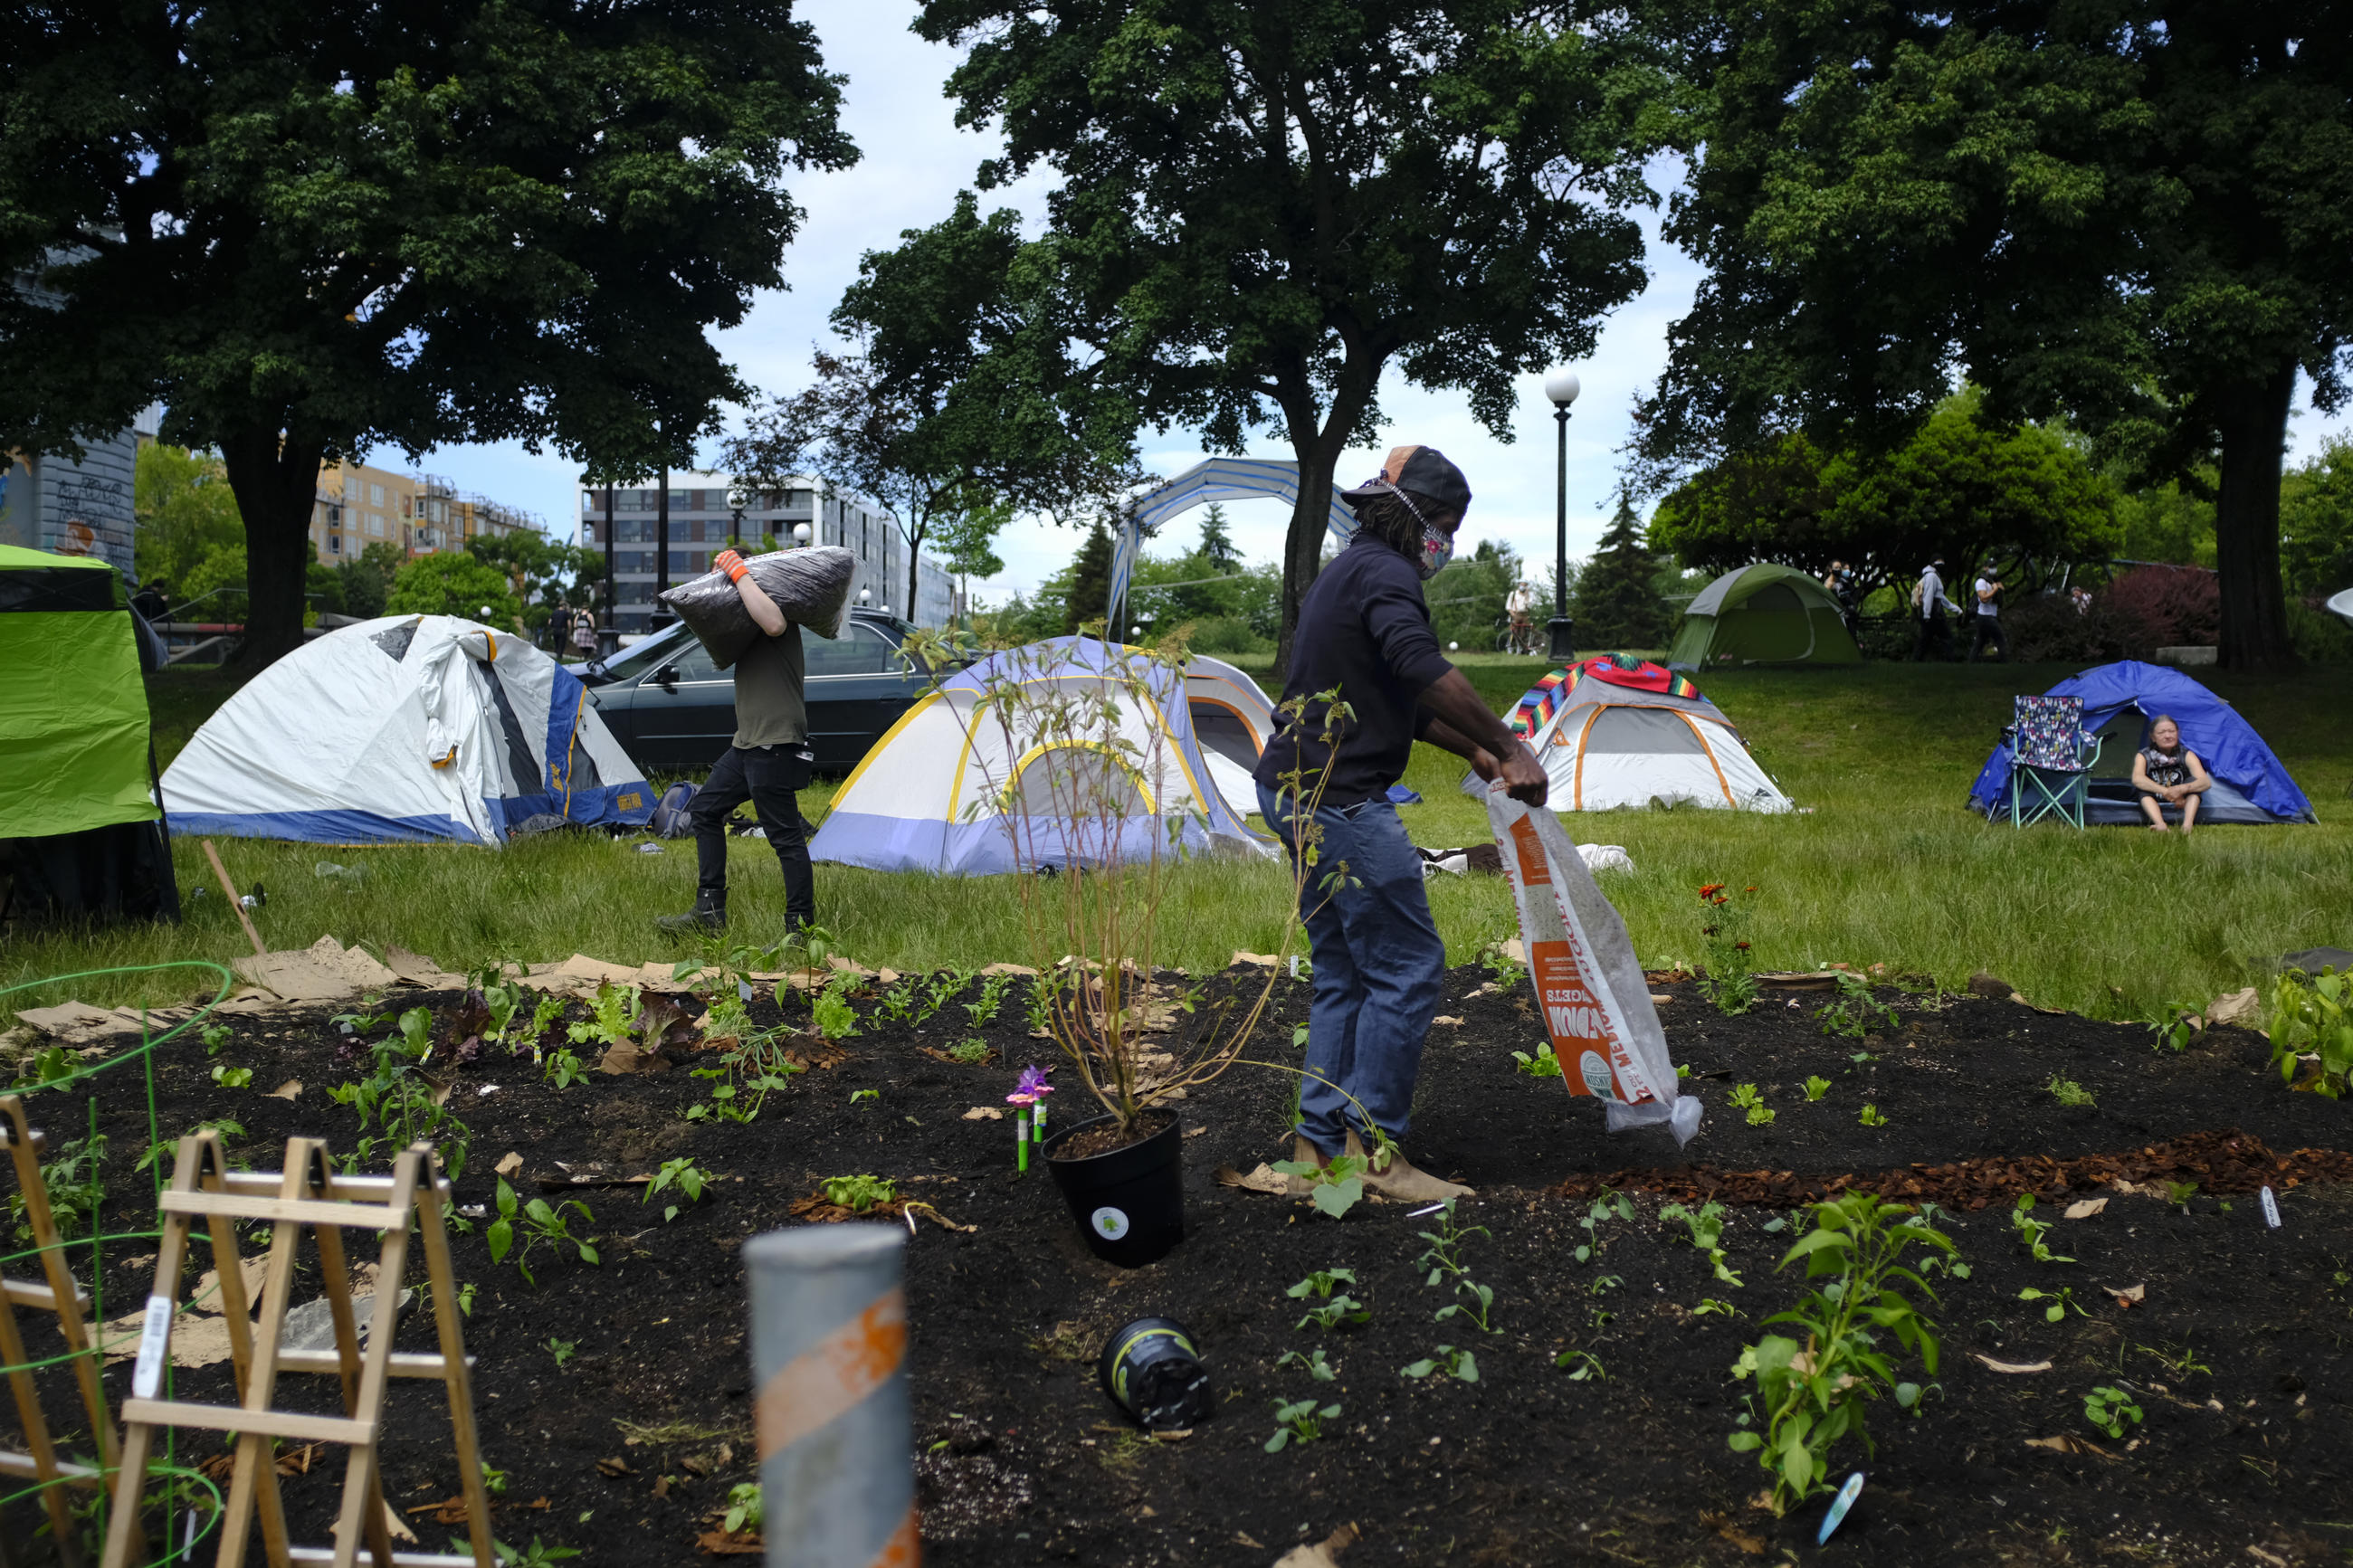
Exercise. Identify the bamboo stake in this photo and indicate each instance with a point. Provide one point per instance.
(234, 902)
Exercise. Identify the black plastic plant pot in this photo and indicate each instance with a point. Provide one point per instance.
(1151, 1369)
(1130, 1202)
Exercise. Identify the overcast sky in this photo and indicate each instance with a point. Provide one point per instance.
(915, 160)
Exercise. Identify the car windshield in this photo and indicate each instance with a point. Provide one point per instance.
(642, 656)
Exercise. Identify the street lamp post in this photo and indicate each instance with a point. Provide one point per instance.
(1562, 386)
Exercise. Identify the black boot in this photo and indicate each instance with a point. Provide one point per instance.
(709, 914)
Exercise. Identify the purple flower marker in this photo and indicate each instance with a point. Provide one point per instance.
(1028, 1091)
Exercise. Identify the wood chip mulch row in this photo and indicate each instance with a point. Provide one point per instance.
(2219, 1162)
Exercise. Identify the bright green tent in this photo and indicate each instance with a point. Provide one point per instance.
(1762, 614)
(73, 710)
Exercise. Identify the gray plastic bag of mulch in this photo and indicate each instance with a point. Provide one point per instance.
(811, 585)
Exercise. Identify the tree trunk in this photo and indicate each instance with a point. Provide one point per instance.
(276, 483)
(914, 559)
(2252, 418)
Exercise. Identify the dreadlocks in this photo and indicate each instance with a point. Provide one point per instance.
(1390, 519)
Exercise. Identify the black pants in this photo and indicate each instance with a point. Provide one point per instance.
(767, 776)
(1987, 630)
(1932, 630)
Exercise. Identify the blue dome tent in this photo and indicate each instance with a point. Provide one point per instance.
(2120, 701)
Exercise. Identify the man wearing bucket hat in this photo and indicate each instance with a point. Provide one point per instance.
(1364, 628)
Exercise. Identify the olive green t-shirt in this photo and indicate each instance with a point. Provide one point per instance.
(769, 710)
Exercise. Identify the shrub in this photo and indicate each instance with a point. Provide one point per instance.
(2177, 605)
(2049, 629)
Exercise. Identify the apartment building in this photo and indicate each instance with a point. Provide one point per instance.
(702, 520)
(359, 505)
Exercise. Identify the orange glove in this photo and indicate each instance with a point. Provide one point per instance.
(727, 561)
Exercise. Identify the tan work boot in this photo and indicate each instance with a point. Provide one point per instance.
(1402, 1182)
(1306, 1153)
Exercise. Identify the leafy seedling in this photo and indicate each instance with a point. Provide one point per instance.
(2109, 1409)
(969, 1052)
(1854, 1012)
(216, 1036)
(2067, 1091)
(2059, 1299)
(831, 1010)
(1482, 1302)
(683, 1174)
(2179, 1193)
(1705, 1226)
(1710, 1304)
(2032, 1231)
(744, 1512)
(1582, 1366)
(858, 1096)
(1745, 1097)
(562, 1349)
(232, 1078)
(1337, 1309)
(1443, 1256)
(1298, 1421)
(859, 1195)
(1871, 1117)
(1459, 1364)
(1544, 1064)
(1604, 1207)
(1816, 1087)
(536, 1223)
(1315, 1365)
(1339, 1183)
(562, 1070)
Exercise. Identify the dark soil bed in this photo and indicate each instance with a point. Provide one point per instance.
(2237, 1351)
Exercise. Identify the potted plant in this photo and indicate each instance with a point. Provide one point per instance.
(1081, 753)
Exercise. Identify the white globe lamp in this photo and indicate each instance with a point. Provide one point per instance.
(801, 533)
(1562, 386)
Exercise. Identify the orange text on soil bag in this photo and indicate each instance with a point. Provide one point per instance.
(1582, 1041)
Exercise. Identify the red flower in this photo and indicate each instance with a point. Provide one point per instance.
(1710, 889)
(1741, 945)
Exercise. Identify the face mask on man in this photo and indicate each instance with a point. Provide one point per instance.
(1437, 543)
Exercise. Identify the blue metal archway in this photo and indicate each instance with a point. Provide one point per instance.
(1219, 479)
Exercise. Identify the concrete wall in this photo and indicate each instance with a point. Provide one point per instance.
(74, 509)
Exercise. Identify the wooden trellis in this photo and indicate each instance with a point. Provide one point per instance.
(54, 1292)
(308, 1195)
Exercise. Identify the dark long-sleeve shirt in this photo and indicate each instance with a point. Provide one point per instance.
(1364, 627)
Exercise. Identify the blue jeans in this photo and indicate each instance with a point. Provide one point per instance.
(1379, 965)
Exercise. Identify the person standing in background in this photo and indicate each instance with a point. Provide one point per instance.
(767, 764)
(584, 634)
(1928, 594)
(1985, 625)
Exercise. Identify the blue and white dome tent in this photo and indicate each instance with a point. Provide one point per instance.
(405, 728)
(931, 794)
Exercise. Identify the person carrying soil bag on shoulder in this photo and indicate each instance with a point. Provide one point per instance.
(1364, 629)
(767, 764)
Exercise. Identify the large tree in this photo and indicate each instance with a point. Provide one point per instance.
(311, 228)
(1954, 489)
(1617, 602)
(1264, 204)
(2138, 212)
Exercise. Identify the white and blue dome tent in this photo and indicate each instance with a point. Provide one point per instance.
(1130, 782)
(409, 728)
(2121, 701)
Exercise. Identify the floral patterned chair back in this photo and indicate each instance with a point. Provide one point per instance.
(2048, 733)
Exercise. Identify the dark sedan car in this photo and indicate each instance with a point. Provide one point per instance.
(674, 713)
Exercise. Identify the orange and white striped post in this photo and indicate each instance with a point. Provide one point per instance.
(836, 1427)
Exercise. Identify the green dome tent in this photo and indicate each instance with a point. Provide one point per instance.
(75, 792)
(1762, 614)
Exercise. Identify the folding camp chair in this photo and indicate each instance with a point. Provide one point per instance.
(2050, 759)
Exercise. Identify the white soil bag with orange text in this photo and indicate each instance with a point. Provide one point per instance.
(1590, 989)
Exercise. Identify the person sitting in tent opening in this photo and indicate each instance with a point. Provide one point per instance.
(1364, 629)
(2167, 773)
(767, 764)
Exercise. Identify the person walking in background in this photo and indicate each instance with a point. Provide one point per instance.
(1839, 581)
(767, 764)
(154, 600)
(1929, 596)
(584, 634)
(1985, 626)
(1363, 631)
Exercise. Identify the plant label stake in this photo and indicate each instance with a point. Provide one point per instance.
(1021, 1141)
(2271, 1209)
(1037, 1126)
(1836, 1513)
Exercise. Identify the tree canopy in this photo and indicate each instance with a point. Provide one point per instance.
(1955, 490)
(312, 228)
(454, 584)
(1265, 206)
(2135, 214)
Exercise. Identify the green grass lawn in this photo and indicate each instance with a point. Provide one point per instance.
(1887, 866)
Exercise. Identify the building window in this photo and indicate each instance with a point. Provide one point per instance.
(375, 495)
(375, 525)
(334, 544)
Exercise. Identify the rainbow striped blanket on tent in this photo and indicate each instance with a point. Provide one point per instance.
(1536, 707)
